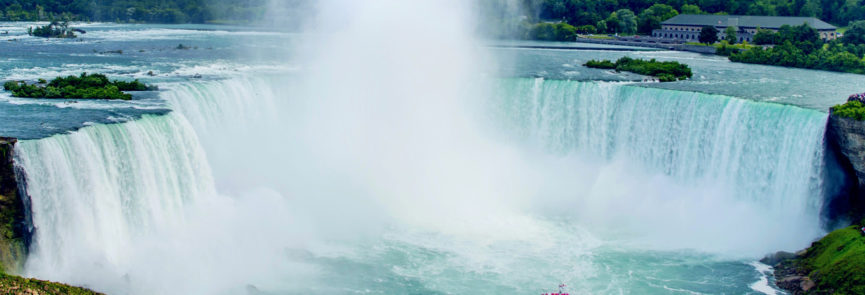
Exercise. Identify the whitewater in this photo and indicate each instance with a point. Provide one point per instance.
(406, 167)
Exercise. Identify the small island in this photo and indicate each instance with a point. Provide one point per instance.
(53, 30)
(95, 86)
(665, 71)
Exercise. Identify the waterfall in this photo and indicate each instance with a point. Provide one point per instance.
(95, 191)
(768, 153)
(135, 207)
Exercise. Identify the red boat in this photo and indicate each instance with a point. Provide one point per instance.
(561, 291)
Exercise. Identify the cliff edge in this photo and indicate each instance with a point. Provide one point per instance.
(845, 141)
(14, 231)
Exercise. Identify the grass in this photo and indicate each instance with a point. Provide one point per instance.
(837, 262)
(18, 285)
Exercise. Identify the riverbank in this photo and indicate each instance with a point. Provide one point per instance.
(833, 265)
(648, 43)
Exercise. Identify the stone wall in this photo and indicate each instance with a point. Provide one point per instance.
(14, 229)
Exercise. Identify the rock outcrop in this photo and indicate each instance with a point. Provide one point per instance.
(845, 141)
(14, 230)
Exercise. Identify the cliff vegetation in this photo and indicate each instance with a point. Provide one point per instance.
(25, 286)
(833, 265)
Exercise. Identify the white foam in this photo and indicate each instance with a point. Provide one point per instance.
(762, 283)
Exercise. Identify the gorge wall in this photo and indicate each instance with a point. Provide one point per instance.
(14, 232)
(845, 138)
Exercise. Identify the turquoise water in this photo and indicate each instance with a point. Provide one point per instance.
(259, 179)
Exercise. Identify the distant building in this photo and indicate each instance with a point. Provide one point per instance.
(686, 27)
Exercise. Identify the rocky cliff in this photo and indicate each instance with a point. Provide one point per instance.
(14, 230)
(845, 142)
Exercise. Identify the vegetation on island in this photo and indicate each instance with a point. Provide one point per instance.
(665, 71)
(94, 86)
(55, 29)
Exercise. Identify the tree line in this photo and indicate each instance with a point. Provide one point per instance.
(152, 11)
(643, 16)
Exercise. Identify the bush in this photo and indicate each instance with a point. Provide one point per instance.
(665, 71)
(553, 32)
(602, 64)
(95, 86)
(53, 30)
(852, 109)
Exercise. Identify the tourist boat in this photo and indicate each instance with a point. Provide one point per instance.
(561, 291)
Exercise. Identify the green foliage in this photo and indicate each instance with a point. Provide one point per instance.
(691, 9)
(837, 262)
(855, 34)
(625, 19)
(708, 35)
(53, 30)
(852, 109)
(730, 35)
(765, 37)
(801, 47)
(587, 29)
(651, 18)
(665, 71)
(553, 32)
(600, 64)
(582, 12)
(95, 86)
(18, 285)
(154, 11)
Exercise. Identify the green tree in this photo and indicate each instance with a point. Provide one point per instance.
(651, 18)
(627, 21)
(587, 29)
(730, 35)
(691, 9)
(602, 27)
(855, 34)
(708, 35)
(765, 37)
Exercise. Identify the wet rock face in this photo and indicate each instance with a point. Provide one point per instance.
(845, 139)
(14, 232)
(849, 134)
(796, 284)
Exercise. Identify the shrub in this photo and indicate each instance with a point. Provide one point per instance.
(852, 109)
(665, 71)
(94, 86)
(602, 64)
